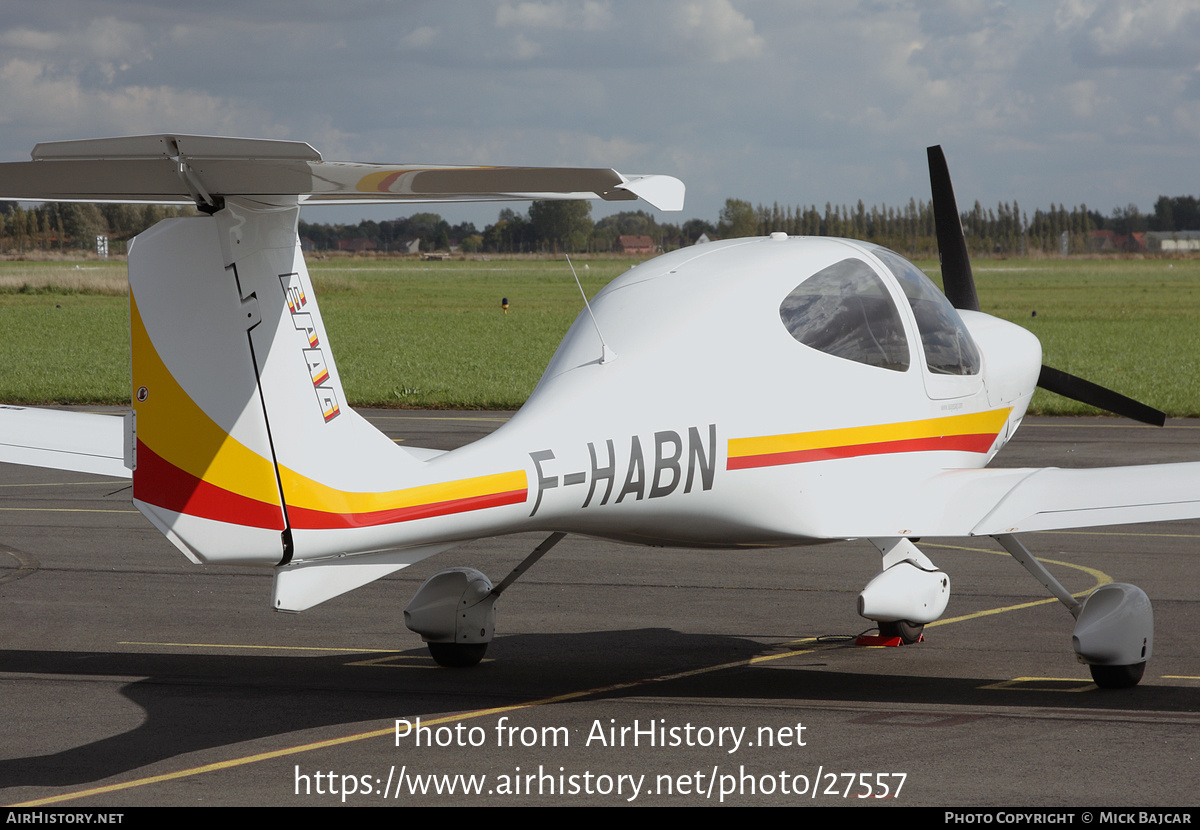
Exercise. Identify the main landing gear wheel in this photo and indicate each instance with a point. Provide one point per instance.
(457, 655)
(1117, 677)
(908, 632)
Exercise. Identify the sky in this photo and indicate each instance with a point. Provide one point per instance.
(1038, 101)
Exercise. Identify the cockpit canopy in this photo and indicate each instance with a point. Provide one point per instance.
(846, 310)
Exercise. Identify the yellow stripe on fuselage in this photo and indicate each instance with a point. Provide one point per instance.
(971, 424)
(301, 491)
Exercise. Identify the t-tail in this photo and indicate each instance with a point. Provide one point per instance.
(243, 448)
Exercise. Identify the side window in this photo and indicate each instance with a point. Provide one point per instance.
(845, 310)
(949, 349)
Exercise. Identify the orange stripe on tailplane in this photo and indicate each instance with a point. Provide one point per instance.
(974, 432)
(379, 182)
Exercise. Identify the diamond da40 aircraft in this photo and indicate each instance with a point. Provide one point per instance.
(789, 391)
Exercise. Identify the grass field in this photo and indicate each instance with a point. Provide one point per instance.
(432, 334)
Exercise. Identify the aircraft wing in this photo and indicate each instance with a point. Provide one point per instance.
(999, 501)
(183, 169)
(1052, 498)
(990, 502)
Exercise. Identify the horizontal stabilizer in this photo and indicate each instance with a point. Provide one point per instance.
(664, 192)
(82, 442)
(180, 169)
(301, 585)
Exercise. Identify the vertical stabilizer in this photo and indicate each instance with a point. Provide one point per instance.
(247, 451)
(205, 473)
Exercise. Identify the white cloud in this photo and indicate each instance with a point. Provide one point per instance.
(419, 37)
(106, 40)
(768, 100)
(714, 31)
(1144, 33)
(588, 16)
(59, 106)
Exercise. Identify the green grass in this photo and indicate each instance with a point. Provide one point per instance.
(64, 349)
(1130, 325)
(64, 277)
(432, 334)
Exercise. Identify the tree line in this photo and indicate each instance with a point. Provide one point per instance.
(567, 226)
(62, 226)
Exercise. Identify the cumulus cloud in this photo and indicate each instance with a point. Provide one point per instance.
(768, 100)
(105, 45)
(714, 30)
(419, 37)
(1147, 33)
(588, 16)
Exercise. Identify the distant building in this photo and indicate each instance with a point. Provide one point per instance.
(631, 244)
(1172, 242)
(1108, 242)
(355, 244)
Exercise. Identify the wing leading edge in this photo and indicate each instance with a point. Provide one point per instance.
(991, 502)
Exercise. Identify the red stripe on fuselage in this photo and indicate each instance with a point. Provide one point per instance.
(303, 518)
(980, 443)
(162, 484)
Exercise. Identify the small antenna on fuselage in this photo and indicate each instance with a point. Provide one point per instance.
(607, 355)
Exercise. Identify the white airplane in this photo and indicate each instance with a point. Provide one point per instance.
(754, 392)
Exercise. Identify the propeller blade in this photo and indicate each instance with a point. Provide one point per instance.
(1084, 391)
(959, 284)
(957, 280)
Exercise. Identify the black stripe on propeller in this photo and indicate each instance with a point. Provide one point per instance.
(959, 285)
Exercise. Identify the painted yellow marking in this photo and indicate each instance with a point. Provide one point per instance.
(1181, 677)
(1023, 684)
(794, 648)
(992, 611)
(26, 564)
(390, 730)
(791, 649)
(61, 510)
(1100, 577)
(1121, 533)
(432, 418)
(220, 765)
(106, 481)
(267, 648)
(400, 661)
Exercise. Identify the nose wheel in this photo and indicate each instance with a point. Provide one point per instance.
(457, 655)
(908, 632)
(1117, 677)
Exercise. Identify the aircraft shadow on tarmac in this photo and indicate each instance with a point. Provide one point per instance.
(196, 702)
